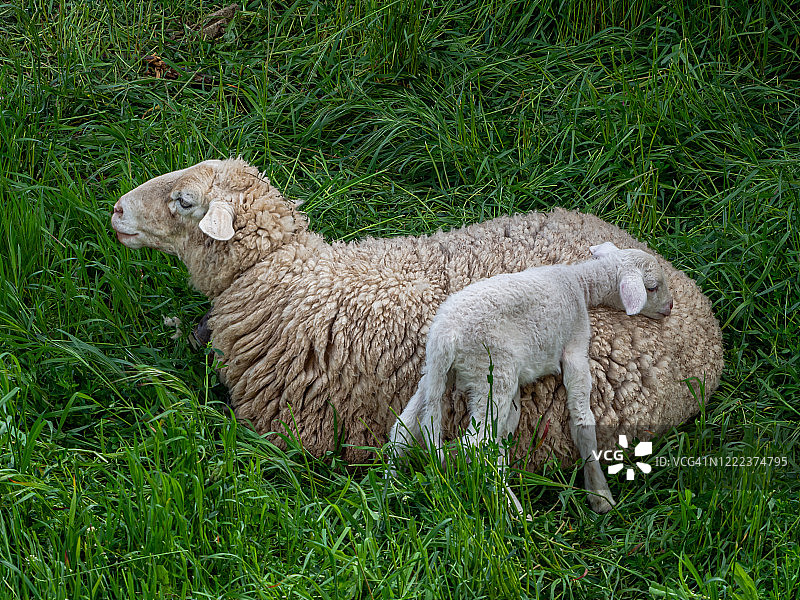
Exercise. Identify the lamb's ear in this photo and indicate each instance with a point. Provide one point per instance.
(603, 249)
(218, 222)
(632, 293)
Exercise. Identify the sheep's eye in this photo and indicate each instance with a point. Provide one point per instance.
(652, 290)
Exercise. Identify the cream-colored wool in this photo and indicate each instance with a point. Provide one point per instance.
(309, 328)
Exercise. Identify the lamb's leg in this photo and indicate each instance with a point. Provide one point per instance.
(422, 417)
(487, 418)
(578, 383)
(406, 429)
(501, 420)
(511, 416)
(510, 424)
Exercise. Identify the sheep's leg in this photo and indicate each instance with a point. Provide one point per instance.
(578, 382)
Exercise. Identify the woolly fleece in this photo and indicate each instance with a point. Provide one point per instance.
(307, 328)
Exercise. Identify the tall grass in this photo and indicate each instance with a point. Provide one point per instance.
(121, 472)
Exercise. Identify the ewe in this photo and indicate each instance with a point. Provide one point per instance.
(316, 334)
(529, 324)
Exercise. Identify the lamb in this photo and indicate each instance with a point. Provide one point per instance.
(326, 340)
(530, 324)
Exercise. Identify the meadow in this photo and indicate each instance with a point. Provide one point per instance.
(122, 474)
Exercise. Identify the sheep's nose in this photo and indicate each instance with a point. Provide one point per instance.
(117, 208)
(668, 312)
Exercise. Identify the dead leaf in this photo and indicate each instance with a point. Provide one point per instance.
(218, 21)
(156, 67)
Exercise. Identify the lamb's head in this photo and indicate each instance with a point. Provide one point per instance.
(642, 285)
(218, 215)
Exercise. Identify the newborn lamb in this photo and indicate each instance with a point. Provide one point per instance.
(529, 324)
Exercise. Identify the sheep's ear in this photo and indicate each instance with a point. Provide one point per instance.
(603, 249)
(632, 293)
(218, 222)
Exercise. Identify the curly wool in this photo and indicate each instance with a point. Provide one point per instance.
(314, 334)
(264, 222)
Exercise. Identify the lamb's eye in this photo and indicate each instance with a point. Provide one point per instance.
(652, 290)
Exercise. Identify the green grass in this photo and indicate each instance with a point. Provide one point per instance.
(121, 474)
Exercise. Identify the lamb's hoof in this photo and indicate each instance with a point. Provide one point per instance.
(601, 503)
(390, 473)
(516, 506)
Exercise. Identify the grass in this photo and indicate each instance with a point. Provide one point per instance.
(121, 475)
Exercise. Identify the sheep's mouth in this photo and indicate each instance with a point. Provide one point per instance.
(125, 238)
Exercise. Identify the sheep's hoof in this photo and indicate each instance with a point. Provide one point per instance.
(601, 502)
(201, 334)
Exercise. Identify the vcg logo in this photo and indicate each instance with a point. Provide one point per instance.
(618, 457)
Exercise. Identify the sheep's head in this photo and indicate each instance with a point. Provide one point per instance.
(218, 216)
(164, 212)
(642, 284)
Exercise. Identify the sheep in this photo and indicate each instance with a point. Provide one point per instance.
(326, 340)
(530, 324)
